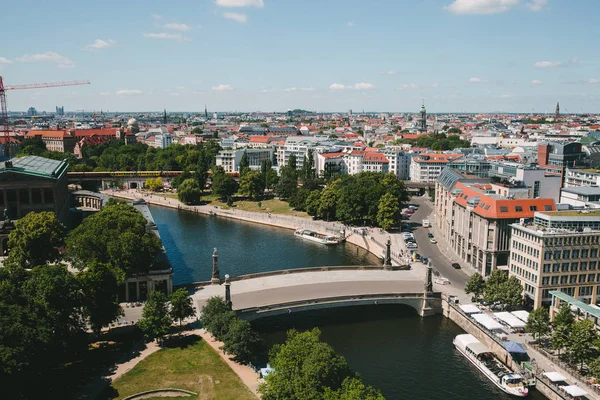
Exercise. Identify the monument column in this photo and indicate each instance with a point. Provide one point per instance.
(216, 279)
(387, 262)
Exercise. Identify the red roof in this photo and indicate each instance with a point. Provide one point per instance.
(375, 157)
(48, 133)
(259, 139)
(99, 132)
(331, 155)
(491, 208)
(436, 157)
(410, 136)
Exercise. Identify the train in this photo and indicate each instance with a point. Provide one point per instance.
(135, 174)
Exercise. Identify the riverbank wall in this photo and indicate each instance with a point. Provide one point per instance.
(366, 242)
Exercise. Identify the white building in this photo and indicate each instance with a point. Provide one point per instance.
(427, 167)
(230, 159)
(163, 141)
(541, 184)
(581, 177)
(583, 196)
(399, 162)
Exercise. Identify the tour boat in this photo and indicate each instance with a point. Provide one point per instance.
(485, 360)
(316, 236)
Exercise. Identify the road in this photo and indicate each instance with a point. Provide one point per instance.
(440, 262)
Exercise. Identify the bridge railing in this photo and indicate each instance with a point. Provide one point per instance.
(335, 299)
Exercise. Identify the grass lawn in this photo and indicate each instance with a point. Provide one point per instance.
(190, 364)
(273, 206)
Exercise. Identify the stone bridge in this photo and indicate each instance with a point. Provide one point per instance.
(284, 292)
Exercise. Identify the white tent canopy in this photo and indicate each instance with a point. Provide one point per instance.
(487, 322)
(521, 314)
(574, 391)
(510, 320)
(555, 376)
(470, 308)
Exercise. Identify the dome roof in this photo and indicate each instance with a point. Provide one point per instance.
(132, 121)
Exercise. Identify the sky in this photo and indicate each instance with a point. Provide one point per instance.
(321, 55)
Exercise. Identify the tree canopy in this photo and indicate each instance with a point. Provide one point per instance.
(189, 192)
(156, 320)
(182, 305)
(538, 322)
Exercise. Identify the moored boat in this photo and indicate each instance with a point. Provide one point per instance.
(485, 360)
(316, 236)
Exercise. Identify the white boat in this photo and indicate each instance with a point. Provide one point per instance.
(316, 236)
(485, 360)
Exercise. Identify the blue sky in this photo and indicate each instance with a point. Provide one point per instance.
(324, 55)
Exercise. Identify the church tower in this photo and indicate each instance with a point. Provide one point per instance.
(423, 118)
(557, 111)
(205, 113)
(165, 116)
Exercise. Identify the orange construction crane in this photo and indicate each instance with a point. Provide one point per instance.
(4, 118)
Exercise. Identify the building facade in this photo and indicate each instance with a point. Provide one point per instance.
(427, 167)
(230, 159)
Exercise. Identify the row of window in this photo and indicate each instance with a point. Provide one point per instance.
(570, 267)
(526, 249)
(570, 279)
(583, 291)
(524, 273)
(567, 254)
(524, 260)
(572, 240)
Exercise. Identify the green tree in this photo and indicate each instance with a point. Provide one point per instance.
(327, 206)
(594, 367)
(241, 340)
(353, 389)
(288, 182)
(313, 201)
(303, 367)
(475, 285)
(156, 321)
(189, 192)
(292, 162)
(223, 185)
(494, 286)
(454, 130)
(117, 236)
(252, 185)
(244, 166)
(34, 146)
(580, 348)
(538, 322)
(560, 337)
(35, 240)
(100, 287)
(388, 213)
(512, 293)
(216, 317)
(154, 184)
(182, 305)
(564, 316)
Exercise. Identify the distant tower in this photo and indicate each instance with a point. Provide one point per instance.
(205, 113)
(423, 119)
(557, 111)
(165, 116)
(350, 113)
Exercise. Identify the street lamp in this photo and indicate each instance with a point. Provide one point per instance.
(228, 291)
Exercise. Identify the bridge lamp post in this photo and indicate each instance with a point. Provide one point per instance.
(228, 292)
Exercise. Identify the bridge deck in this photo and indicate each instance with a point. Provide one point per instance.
(272, 290)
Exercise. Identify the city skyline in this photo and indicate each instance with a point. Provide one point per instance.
(262, 55)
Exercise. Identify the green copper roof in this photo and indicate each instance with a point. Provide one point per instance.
(577, 303)
(36, 166)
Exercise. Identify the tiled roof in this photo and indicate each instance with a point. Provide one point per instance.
(48, 133)
(259, 139)
(375, 157)
(331, 155)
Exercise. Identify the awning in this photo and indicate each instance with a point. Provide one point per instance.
(510, 320)
(487, 322)
(521, 314)
(574, 391)
(514, 347)
(470, 308)
(555, 376)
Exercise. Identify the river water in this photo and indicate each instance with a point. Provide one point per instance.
(393, 349)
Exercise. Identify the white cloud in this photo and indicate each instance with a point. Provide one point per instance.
(292, 89)
(536, 82)
(222, 88)
(240, 3)
(477, 80)
(338, 86)
(593, 81)
(49, 56)
(164, 35)
(363, 86)
(5, 61)
(547, 64)
(391, 73)
(177, 27)
(481, 6)
(99, 44)
(307, 89)
(237, 17)
(350, 24)
(129, 92)
(156, 16)
(537, 5)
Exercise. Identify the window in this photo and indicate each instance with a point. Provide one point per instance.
(594, 253)
(555, 280)
(545, 280)
(573, 279)
(564, 267)
(584, 253)
(574, 266)
(592, 265)
(575, 253)
(546, 268)
(487, 207)
(555, 267)
(503, 209)
(547, 207)
(518, 209)
(556, 254)
(547, 255)
(583, 266)
(563, 280)
(566, 254)
(532, 208)
(591, 277)
(581, 278)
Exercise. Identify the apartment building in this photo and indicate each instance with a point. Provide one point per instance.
(581, 197)
(538, 180)
(399, 161)
(581, 177)
(558, 251)
(427, 167)
(230, 159)
(475, 219)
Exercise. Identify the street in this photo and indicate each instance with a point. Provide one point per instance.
(440, 262)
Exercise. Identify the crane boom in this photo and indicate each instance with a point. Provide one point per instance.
(44, 85)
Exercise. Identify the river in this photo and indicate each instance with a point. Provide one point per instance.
(403, 355)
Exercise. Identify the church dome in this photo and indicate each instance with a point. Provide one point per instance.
(132, 122)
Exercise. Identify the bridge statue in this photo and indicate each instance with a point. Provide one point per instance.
(216, 278)
(387, 262)
(429, 282)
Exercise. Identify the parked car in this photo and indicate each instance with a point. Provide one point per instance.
(432, 241)
(456, 265)
(430, 235)
(412, 245)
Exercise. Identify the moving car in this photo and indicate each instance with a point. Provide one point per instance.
(456, 265)
(432, 241)
(430, 235)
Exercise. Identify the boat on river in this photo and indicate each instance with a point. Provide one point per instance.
(316, 236)
(487, 362)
